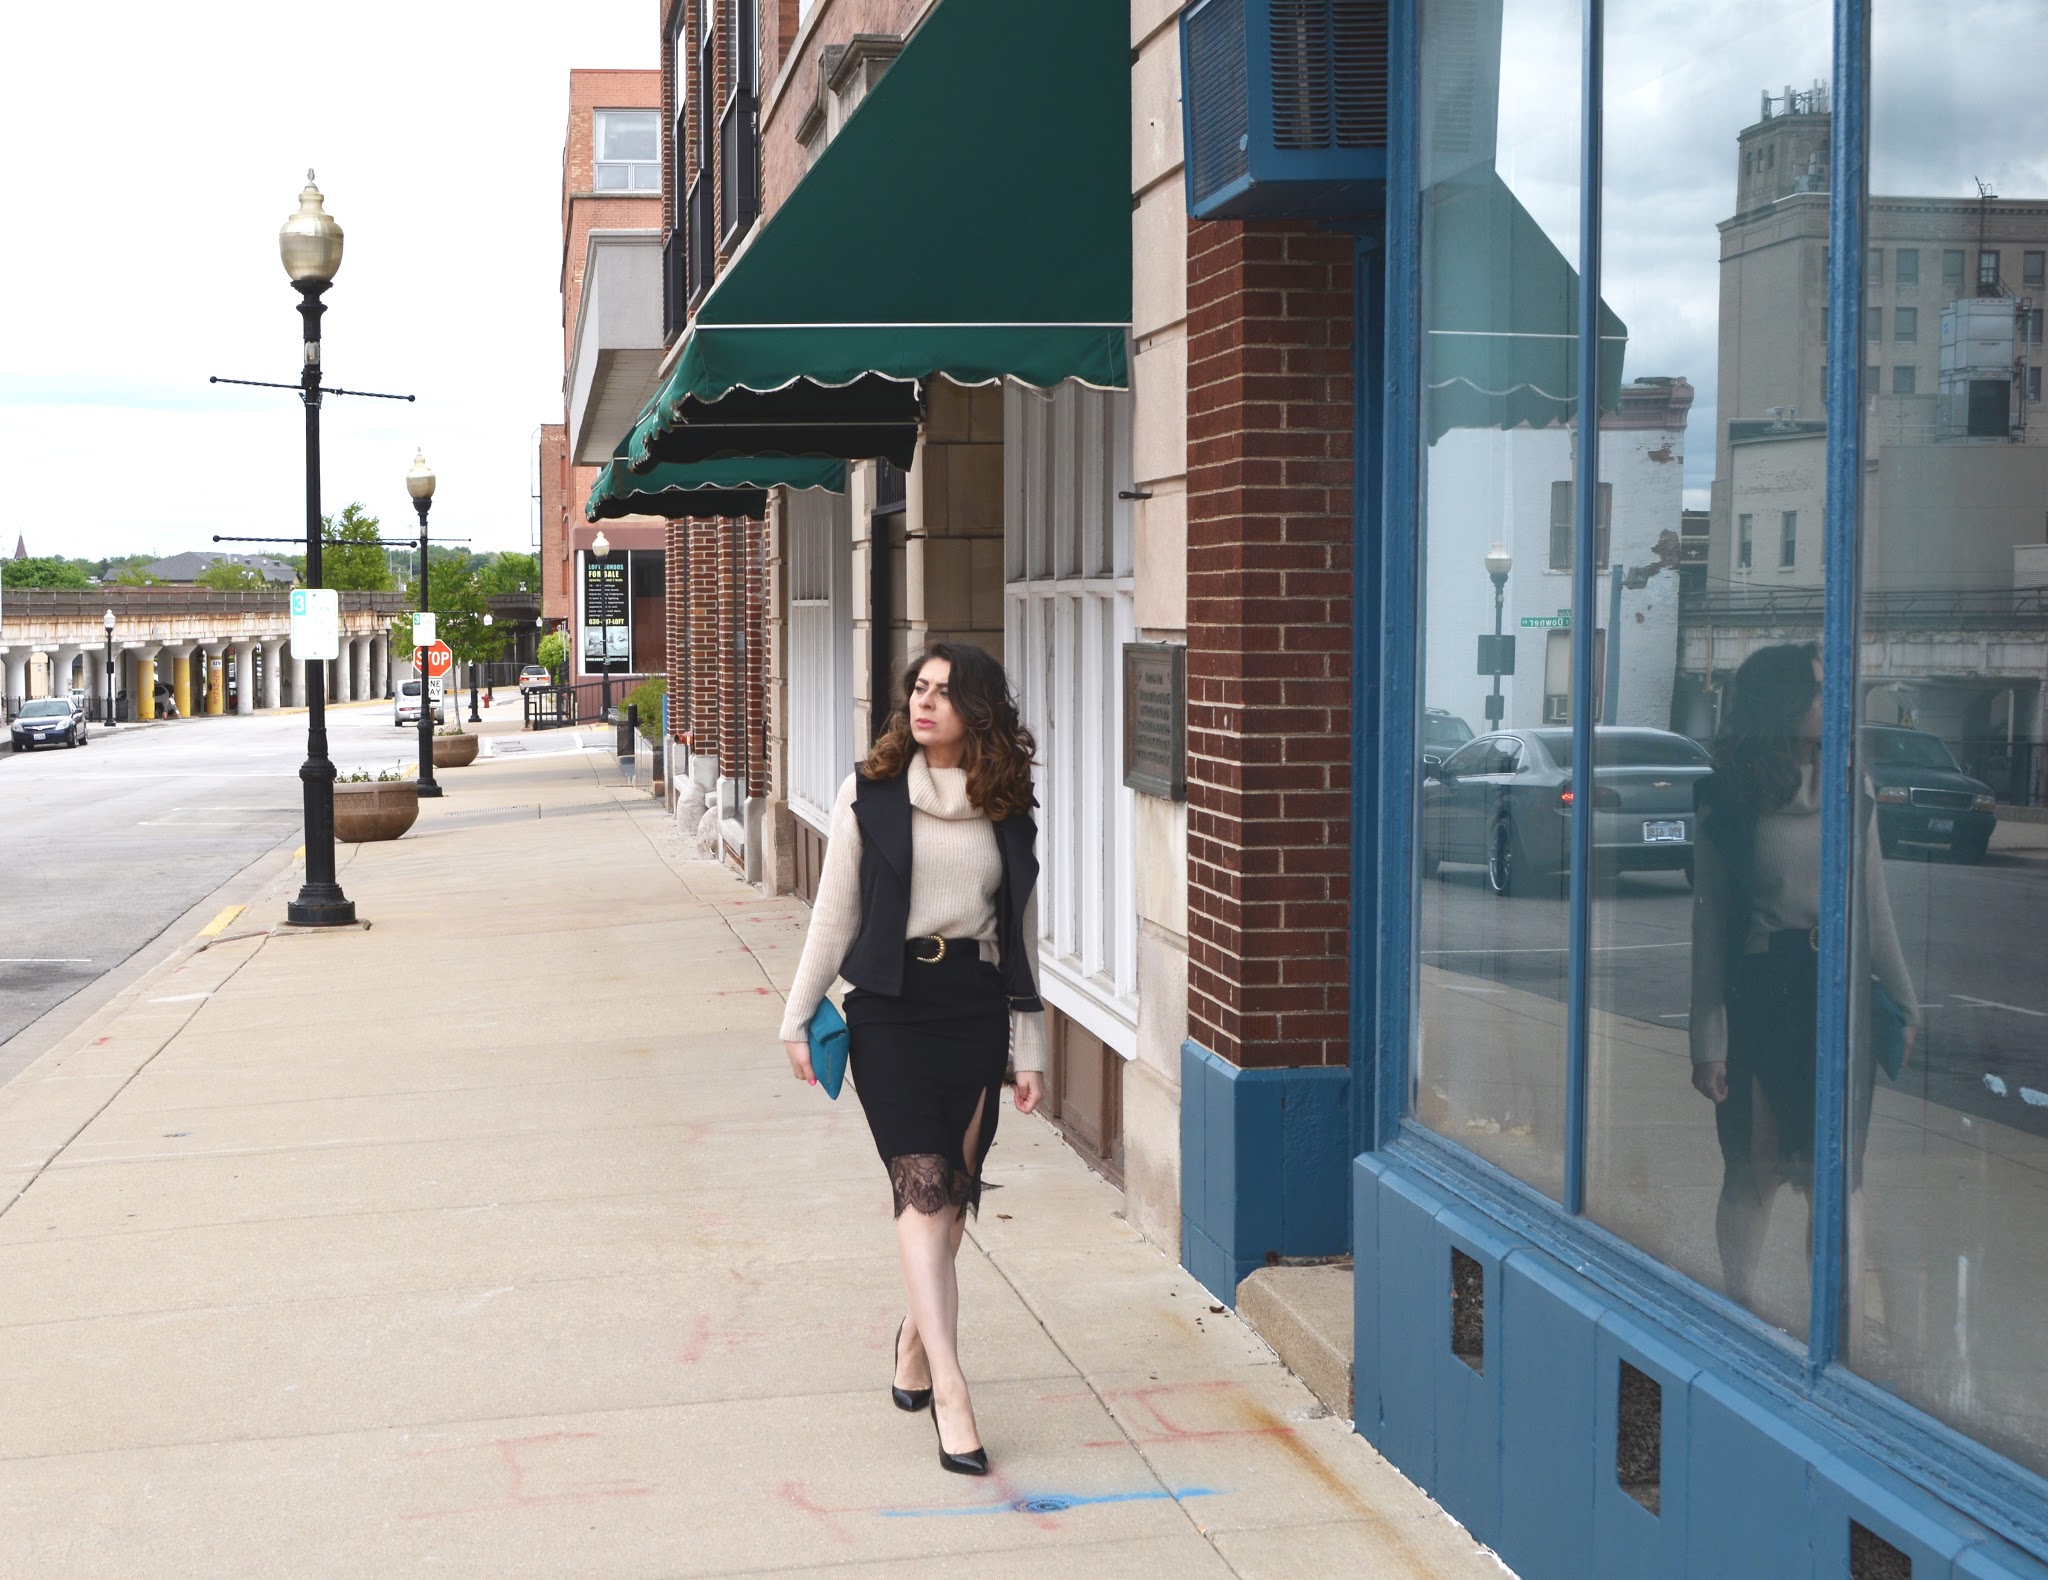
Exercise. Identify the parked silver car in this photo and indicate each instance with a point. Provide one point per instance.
(405, 707)
(49, 721)
(1505, 801)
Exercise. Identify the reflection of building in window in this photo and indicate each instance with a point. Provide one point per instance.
(1564, 525)
(1954, 469)
(1557, 677)
(1487, 486)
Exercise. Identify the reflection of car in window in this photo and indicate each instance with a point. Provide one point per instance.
(1923, 798)
(1505, 801)
(1443, 732)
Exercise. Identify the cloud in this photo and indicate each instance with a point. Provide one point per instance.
(156, 197)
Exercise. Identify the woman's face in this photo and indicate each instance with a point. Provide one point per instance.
(934, 724)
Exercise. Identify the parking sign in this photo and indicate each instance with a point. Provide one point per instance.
(316, 623)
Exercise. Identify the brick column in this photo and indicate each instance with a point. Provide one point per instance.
(704, 626)
(1269, 641)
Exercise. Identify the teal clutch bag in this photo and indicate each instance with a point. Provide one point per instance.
(828, 1048)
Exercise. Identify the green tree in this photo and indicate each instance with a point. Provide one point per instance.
(553, 651)
(457, 601)
(509, 573)
(350, 556)
(134, 576)
(44, 571)
(227, 576)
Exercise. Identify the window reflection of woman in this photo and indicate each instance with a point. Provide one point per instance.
(1756, 914)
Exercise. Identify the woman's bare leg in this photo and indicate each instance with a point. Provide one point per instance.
(1743, 1215)
(925, 1245)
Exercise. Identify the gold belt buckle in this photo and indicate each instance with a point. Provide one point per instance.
(932, 960)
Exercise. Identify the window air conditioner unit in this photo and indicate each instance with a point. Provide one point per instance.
(1284, 108)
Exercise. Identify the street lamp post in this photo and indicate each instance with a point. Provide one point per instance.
(310, 244)
(1498, 563)
(107, 691)
(419, 483)
(474, 716)
(601, 546)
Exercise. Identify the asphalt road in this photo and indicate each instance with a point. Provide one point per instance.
(1971, 935)
(104, 846)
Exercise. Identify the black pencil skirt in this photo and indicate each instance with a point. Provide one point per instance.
(928, 1067)
(1771, 1008)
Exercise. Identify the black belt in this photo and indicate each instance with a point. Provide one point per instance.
(931, 949)
(1793, 942)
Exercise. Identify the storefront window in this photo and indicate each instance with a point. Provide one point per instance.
(1715, 198)
(1500, 226)
(1947, 1251)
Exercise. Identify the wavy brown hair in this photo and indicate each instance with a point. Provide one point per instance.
(1760, 745)
(1000, 750)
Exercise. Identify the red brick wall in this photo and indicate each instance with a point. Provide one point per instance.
(556, 599)
(1269, 641)
(705, 624)
(676, 616)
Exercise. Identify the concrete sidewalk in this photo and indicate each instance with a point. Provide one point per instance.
(494, 1239)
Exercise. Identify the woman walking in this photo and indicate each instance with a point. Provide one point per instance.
(1755, 956)
(925, 907)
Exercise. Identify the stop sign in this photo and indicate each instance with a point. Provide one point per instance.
(439, 660)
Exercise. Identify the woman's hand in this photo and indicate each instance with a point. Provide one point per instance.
(800, 1061)
(1030, 1090)
(1711, 1080)
(1906, 1056)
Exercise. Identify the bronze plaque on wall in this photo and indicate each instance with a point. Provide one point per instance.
(1155, 719)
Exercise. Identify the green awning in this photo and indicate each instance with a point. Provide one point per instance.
(708, 488)
(972, 219)
(1501, 317)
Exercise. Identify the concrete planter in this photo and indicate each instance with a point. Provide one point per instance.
(363, 812)
(456, 751)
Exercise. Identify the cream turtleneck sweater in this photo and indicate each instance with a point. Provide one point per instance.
(1784, 893)
(955, 873)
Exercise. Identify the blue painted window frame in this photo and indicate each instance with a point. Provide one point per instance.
(1984, 1484)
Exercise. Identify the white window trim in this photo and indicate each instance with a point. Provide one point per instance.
(598, 162)
(1068, 609)
(819, 706)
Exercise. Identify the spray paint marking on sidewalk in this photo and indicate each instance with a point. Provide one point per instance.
(1056, 1502)
(220, 923)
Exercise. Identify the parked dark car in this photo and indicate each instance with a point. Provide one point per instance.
(1505, 800)
(1923, 798)
(1443, 732)
(49, 721)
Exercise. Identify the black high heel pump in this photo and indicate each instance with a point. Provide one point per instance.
(972, 1463)
(907, 1399)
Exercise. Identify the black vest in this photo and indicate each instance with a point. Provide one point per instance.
(875, 962)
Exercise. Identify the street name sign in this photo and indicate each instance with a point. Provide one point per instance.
(1561, 621)
(316, 622)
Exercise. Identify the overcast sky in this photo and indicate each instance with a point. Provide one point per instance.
(153, 151)
(1684, 77)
